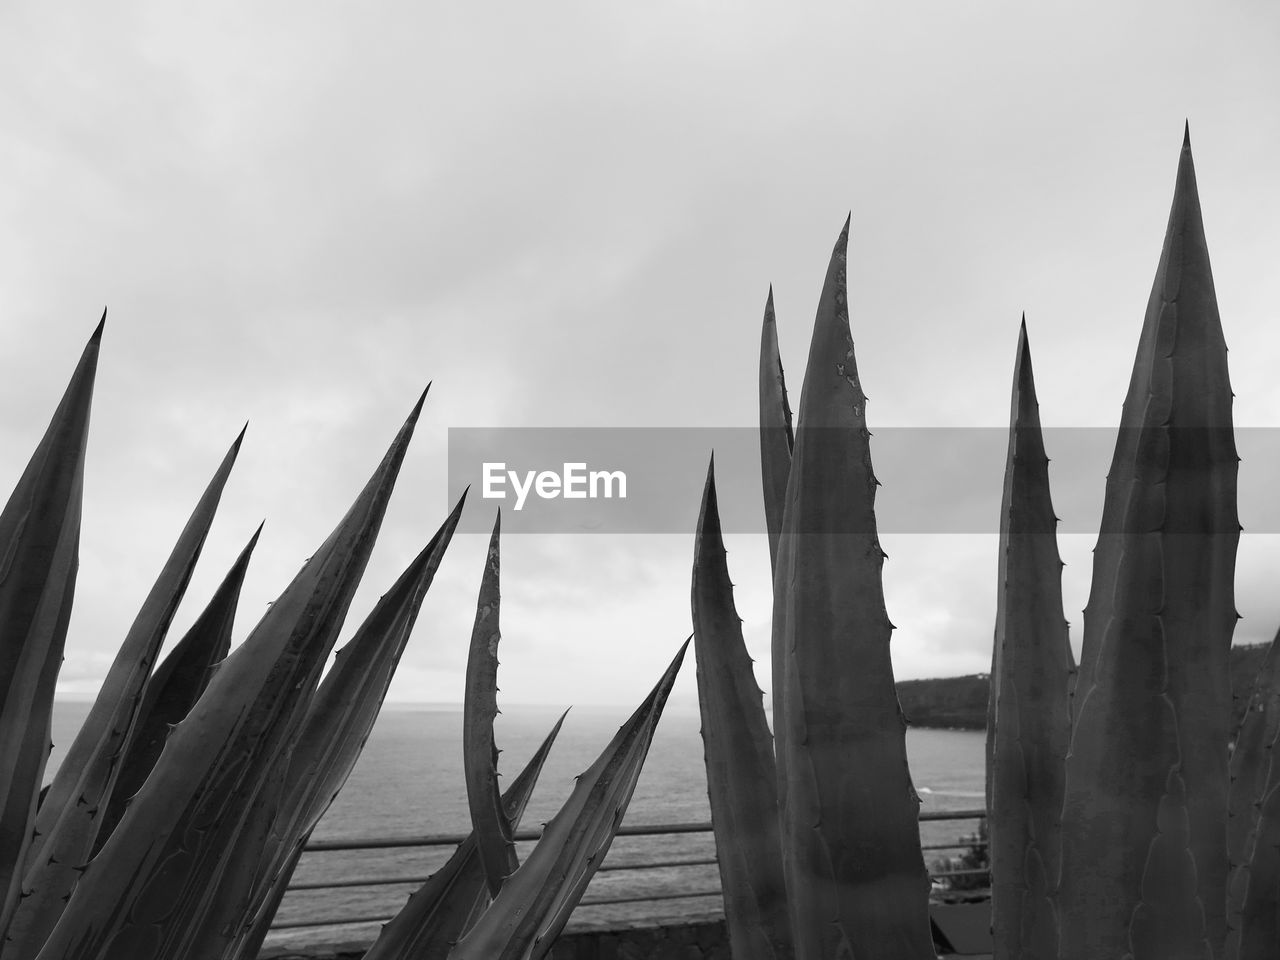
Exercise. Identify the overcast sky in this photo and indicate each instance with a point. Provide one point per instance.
(568, 215)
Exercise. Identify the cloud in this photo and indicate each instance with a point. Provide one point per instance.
(569, 217)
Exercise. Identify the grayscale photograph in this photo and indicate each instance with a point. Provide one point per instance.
(597, 481)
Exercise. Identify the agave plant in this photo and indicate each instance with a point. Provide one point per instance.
(175, 821)
(847, 862)
(1118, 827)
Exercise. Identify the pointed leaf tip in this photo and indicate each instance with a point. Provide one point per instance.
(843, 241)
(405, 433)
(1186, 134)
(457, 507)
(1022, 366)
(709, 512)
(412, 419)
(97, 331)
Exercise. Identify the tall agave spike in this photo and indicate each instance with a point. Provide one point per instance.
(776, 436)
(854, 871)
(534, 904)
(68, 821)
(437, 912)
(776, 442)
(1144, 838)
(338, 721)
(39, 556)
(741, 777)
(480, 708)
(1253, 829)
(152, 885)
(1029, 720)
(175, 687)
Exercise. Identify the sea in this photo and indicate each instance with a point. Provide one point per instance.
(409, 782)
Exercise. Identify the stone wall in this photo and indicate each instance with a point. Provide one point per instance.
(704, 940)
(695, 939)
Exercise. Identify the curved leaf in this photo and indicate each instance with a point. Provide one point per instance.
(777, 441)
(39, 556)
(776, 437)
(741, 778)
(338, 722)
(854, 871)
(480, 707)
(68, 821)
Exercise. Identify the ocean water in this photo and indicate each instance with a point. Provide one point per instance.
(409, 781)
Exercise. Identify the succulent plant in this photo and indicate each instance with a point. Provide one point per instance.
(854, 870)
(1116, 831)
(196, 786)
(1144, 838)
(742, 780)
(40, 539)
(849, 848)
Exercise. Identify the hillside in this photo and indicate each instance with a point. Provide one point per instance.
(961, 702)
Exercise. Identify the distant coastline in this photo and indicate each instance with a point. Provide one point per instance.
(943, 703)
(960, 703)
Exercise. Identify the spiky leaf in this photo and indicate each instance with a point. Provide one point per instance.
(776, 437)
(855, 875)
(148, 891)
(1029, 724)
(776, 442)
(480, 708)
(39, 544)
(741, 777)
(1144, 838)
(338, 722)
(68, 821)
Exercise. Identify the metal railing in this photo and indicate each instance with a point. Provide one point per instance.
(449, 841)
